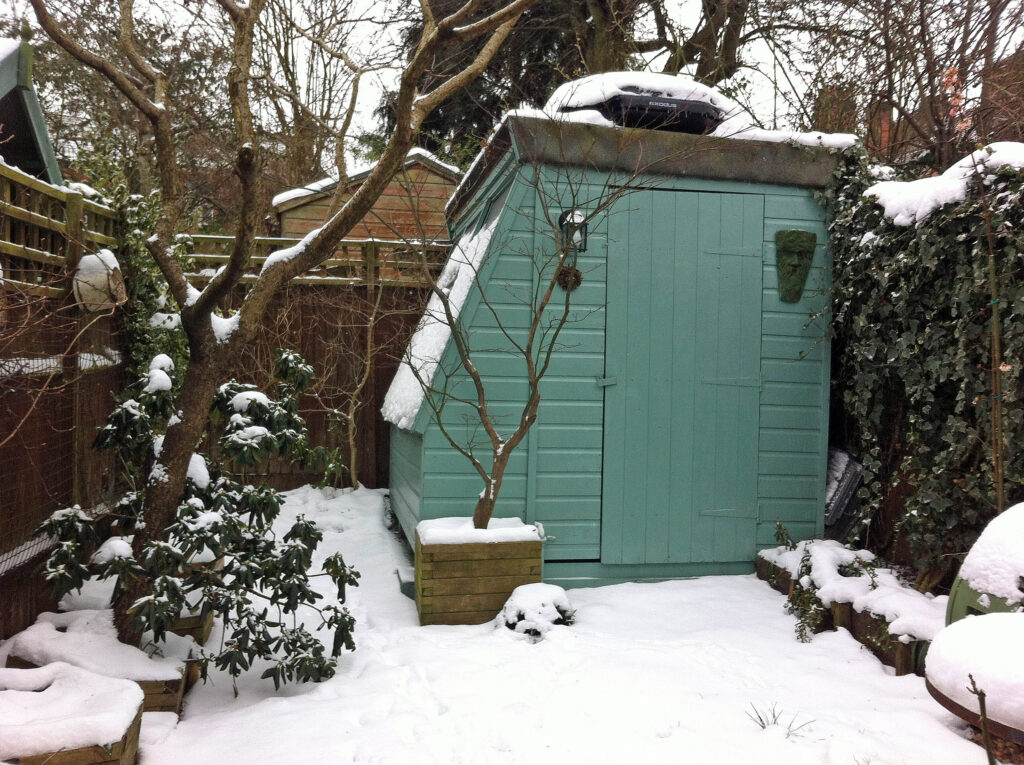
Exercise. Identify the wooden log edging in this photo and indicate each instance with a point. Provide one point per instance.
(123, 752)
(469, 583)
(869, 629)
(158, 695)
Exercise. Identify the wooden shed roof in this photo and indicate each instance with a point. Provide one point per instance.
(302, 195)
(537, 141)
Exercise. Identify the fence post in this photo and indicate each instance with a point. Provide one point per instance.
(74, 213)
(370, 257)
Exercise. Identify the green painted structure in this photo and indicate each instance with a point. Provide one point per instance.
(24, 141)
(686, 408)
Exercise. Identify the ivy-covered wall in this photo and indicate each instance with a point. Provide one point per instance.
(917, 309)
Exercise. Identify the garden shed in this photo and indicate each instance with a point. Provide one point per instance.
(685, 410)
(412, 207)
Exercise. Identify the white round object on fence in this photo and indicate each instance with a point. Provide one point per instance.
(98, 283)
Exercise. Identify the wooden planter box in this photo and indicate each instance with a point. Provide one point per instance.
(193, 626)
(778, 578)
(469, 583)
(872, 631)
(121, 752)
(160, 695)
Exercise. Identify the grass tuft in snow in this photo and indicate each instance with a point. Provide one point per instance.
(771, 716)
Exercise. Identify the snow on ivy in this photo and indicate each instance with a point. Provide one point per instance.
(910, 202)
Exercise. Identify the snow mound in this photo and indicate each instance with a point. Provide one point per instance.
(533, 609)
(89, 641)
(597, 88)
(987, 647)
(157, 381)
(454, 531)
(838, 575)
(909, 202)
(163, 362)
(60, 706)
(241, 401)
(995, 563)
(114, 547)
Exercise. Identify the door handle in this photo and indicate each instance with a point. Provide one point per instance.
(604, 382)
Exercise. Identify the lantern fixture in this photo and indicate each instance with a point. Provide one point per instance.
(573, 226)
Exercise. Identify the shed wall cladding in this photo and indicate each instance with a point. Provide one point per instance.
(684, 412)
(412, 206)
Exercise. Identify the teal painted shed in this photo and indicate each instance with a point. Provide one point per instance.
(685, 410)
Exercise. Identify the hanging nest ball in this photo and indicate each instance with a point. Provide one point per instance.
(97, 283)
(569, 278)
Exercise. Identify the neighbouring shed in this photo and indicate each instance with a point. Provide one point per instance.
(686, 410)
(412, 206)
(24, 141)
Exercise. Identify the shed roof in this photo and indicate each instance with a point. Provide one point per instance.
(24, 142)
(540, 140)
(635, 152)
(321, 188)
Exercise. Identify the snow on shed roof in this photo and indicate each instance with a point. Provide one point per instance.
(575, 96)
(598, 88)
(423, 354)
(322, 186)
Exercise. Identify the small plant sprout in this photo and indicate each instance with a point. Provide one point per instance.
(770, 716)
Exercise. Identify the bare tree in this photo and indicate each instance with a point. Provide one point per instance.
(920, 75)
(488, 439)
(213, 339)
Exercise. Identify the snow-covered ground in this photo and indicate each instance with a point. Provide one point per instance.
(649, 673)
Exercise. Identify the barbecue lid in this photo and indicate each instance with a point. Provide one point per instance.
(656, 113)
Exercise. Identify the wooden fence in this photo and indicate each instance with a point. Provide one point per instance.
(44, 230)
(58, 369)
(356, 262)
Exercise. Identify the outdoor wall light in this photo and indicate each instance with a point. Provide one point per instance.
(573, 225)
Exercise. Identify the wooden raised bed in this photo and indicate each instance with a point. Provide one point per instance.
(776, 577)
(121, 752)
(160, 695)
(193, 626)
(867, 628)
(469, 583)
(872, 631)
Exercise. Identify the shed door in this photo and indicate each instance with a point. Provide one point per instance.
(683, 346)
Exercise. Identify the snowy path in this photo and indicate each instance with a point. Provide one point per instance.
(650, 673)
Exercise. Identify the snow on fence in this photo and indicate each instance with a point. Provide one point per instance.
(44, 231)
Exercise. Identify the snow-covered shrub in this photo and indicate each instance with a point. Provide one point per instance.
(265, 579)
(921, 270)
(533, 609)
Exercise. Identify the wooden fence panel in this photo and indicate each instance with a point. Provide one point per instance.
(59, 368)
